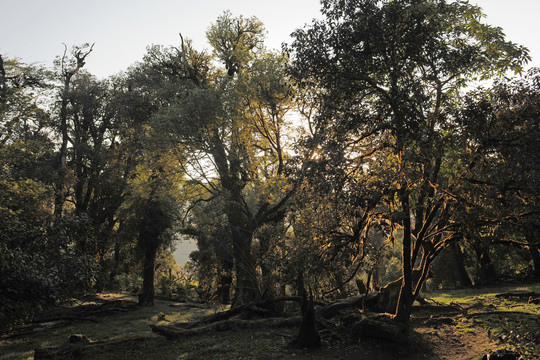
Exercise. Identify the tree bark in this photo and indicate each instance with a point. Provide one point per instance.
(486, 270)
(464, 278)
(405, 300)
(225, 284)
(308, 336)
(247, 284)
(532, 236)
(146, 298)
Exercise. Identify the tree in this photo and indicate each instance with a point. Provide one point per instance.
(214, 260)
(40, 261)
(68, 67)
(499, 127)
(390, 74)
(152, 207)
(232, 126)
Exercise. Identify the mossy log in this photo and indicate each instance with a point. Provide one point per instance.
(381, 327)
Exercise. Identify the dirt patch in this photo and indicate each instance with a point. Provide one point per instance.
(446, 342)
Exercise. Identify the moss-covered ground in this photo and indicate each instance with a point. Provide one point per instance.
(461, 324)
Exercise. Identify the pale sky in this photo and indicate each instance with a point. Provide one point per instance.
(34, 30)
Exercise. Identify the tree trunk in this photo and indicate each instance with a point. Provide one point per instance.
(224, 253)
(268, 285)
(459, 259)
(300, 286)
(535, 255)
(146, 298)
(225, 284)
(67, 74)
(308, 336)
(242, 229)
(405, 300)
(531, 234)
(247, 284)
(486, 271)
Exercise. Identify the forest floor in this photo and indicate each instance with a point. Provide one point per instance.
(457, 325)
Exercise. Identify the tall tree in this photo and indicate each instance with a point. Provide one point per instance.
(152, 207)
(390, 72)
(232, 125)
(67, 68)
(41, 263)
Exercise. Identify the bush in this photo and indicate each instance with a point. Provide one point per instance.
(126, 283)
(165, 285)
(40, 265)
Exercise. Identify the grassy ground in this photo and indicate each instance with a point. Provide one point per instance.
(510, 322)
(438, 332)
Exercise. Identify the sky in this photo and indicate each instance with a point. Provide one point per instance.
(35, 30)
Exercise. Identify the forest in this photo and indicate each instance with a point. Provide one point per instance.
(390, 152)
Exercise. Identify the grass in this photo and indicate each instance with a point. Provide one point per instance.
(513, 323)
(517, 327)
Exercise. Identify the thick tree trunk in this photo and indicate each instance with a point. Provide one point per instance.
(268, 284)
(247, 283)
(535, 255)
(225, 257)
(146, 298)
(242, 228)
(486, 270)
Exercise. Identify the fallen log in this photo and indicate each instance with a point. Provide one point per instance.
(381, 327)
(189, 305)
(358, 301)
(175, 332)
(76, 349)
(251, 310)
(499, 312)
(526, 295)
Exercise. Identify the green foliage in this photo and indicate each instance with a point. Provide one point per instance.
(235, 40)
(388, 75)
(126, 283)
(42, 264)
(42, 260)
